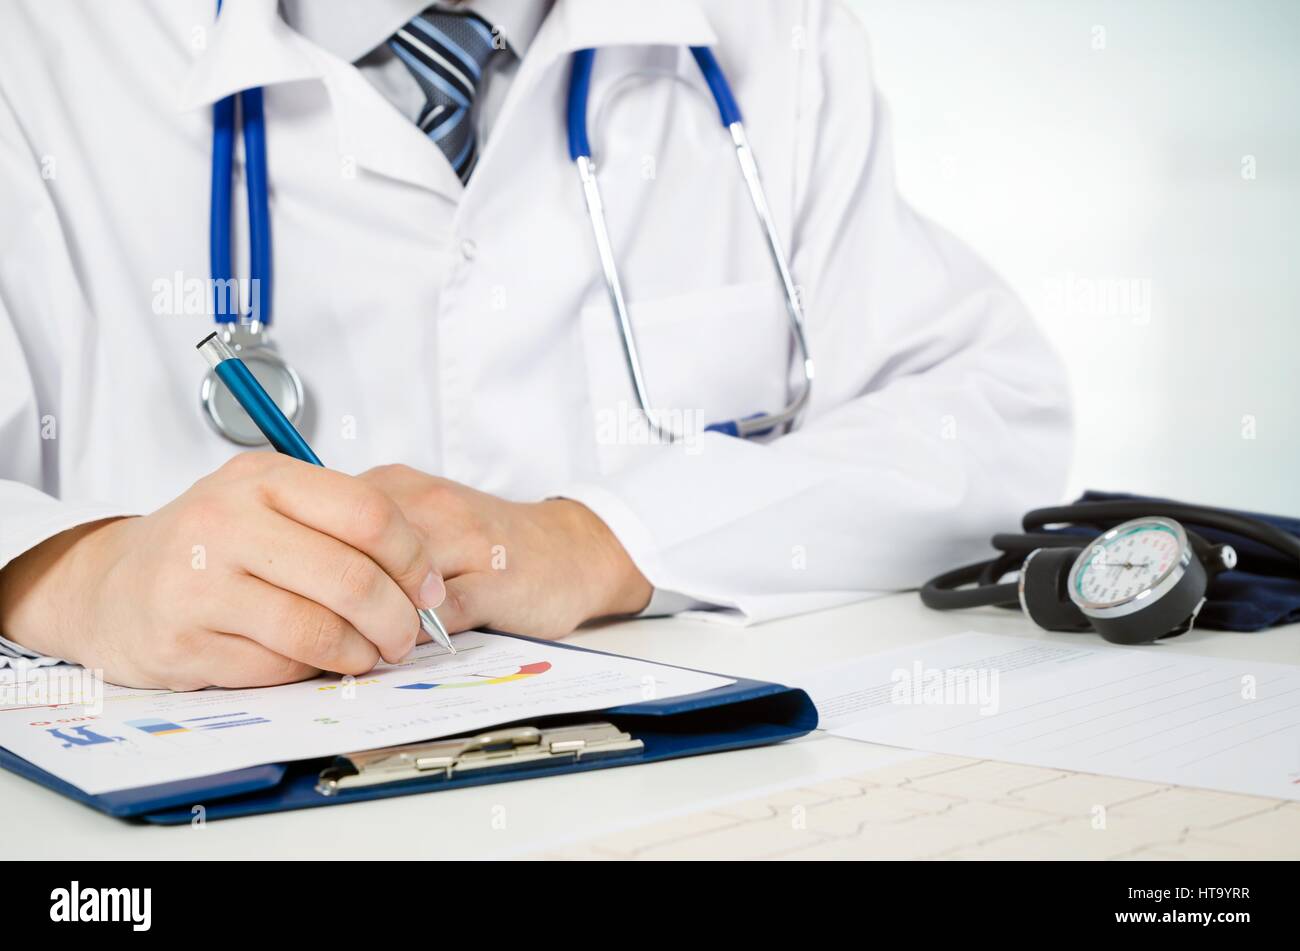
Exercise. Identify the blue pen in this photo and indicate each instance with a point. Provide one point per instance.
(262, 410)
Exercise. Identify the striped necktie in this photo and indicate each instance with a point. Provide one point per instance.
(447, 53)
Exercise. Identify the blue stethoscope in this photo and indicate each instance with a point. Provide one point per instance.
(247, 334)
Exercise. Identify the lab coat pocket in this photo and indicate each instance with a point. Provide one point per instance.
(706, 356)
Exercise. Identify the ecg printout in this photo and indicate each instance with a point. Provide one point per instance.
(147, 737)
(1140, 713)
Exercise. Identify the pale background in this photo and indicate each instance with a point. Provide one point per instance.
(1089, 148)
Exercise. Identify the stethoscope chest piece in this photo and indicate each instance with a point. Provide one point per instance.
(279, 380)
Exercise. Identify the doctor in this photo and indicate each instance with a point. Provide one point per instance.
(439, 292)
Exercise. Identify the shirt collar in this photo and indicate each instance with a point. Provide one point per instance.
(252, 45)
(349, 29)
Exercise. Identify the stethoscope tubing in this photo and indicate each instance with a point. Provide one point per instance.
(580, 94)
(227, 117)
(242, 111)
(580, 152)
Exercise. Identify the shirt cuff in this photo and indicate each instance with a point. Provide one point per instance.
(17, 657)
(22, 533)
(664, 603)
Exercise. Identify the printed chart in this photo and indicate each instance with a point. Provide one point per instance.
(144, 739)
(484, 679)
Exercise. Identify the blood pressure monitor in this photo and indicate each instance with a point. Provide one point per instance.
(1075, 569)
(1135, 583)
(1138, 578)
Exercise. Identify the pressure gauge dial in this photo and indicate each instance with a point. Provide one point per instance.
(1139, 581)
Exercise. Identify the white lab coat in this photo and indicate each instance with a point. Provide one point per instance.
(466, 332)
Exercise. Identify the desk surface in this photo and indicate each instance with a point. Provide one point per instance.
(556, 815)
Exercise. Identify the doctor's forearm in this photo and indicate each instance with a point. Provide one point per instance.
(43, 589)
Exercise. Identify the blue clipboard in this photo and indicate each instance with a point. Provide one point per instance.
(743, 714)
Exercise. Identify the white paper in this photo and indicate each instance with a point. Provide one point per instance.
(1140, 713)
(143, 738)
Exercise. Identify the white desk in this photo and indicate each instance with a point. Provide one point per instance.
(525, 817)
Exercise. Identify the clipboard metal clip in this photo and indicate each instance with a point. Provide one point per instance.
(511, 747)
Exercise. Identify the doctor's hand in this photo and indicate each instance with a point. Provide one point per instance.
(264, 572)
(536, 568)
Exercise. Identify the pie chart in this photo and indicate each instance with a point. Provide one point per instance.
(485, 679)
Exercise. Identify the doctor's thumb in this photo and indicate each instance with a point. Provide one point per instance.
(432, 591)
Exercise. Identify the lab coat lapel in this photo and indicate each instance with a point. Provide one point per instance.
(382, 140)
(250, 45)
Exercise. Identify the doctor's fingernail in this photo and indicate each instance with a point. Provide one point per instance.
(432, 592)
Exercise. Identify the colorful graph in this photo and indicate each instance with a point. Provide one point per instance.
(485, 679)
(224, 721)
(157, 727)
